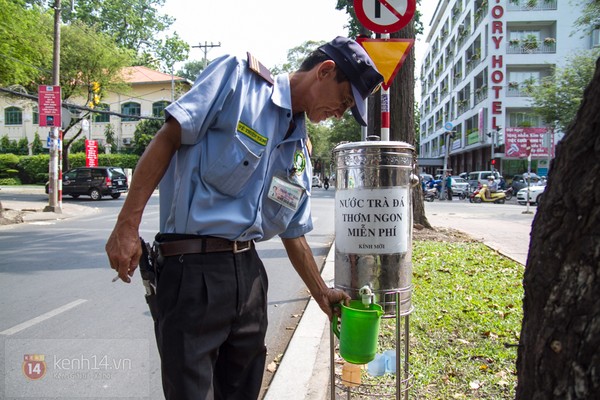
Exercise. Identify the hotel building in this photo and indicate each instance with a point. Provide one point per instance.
(480, 56)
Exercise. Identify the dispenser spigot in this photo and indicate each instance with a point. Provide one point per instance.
(367, 295)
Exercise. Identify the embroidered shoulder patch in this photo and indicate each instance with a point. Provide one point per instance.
(260, 69)
(252, 134)
(299, 162)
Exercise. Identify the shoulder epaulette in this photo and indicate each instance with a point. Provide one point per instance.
(260, 69)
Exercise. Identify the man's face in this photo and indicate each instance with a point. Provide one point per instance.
(331, 98)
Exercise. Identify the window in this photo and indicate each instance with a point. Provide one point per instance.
(13, 116)
(36, 115)
(524, 76)
(158, 108)
(102, 117)
(524, 120)
(133, 109)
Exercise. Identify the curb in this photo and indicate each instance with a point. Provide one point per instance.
(304, 369)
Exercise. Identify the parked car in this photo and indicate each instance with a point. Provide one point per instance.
(460, 186)
(94, 182)
(520, 181)
(316, 182)
(535, 194)
(476, 178)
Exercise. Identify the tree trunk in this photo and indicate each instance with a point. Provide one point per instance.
(559, 350)
(402, 114)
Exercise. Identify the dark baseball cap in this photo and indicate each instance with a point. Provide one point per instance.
(355, 63)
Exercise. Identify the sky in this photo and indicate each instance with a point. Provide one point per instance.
(265, 28)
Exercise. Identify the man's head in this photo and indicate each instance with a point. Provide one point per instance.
(355, 66)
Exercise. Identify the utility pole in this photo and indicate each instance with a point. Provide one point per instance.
(54, 201)
(205, 47)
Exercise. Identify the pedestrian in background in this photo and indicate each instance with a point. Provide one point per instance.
(449, 186)
(224, 147)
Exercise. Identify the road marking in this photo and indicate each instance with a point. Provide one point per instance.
(41, 318)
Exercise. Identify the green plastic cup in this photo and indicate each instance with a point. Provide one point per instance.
(359, 331)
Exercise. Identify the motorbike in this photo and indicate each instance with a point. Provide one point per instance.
(326, 185)
(508, 193)
(430, 194)
(483, 197)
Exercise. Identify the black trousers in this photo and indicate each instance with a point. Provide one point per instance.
(212, 321)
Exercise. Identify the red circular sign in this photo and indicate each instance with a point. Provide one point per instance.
(385, 16)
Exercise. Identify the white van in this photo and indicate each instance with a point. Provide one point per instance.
(476, 178)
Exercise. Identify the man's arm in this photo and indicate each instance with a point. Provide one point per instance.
(304, 263)
(123, 245)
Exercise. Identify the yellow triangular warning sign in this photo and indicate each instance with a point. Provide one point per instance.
(388, 55)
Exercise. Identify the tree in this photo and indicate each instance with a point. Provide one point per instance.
(133, 25)
(558, 354)
(557, 97)
(296, 55)
(191, 70)
(92, 64)
(25, 44)
(590, 15)
(144, 132)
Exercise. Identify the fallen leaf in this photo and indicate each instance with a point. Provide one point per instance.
(272, 367)
(474, 385)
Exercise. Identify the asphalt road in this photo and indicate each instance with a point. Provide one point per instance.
(96, 337)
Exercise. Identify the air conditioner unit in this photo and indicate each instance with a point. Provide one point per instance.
(126, 141)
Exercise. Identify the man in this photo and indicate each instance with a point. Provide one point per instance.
(492, 186)
(235, 158)
(449, 186)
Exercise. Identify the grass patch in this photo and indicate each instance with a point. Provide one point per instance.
(465, 326)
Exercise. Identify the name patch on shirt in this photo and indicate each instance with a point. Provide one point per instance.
(252, 134)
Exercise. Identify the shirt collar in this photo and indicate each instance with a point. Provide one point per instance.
(282, 93)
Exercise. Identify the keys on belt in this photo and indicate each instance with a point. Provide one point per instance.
(201, 246)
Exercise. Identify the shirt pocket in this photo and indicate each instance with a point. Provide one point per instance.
(276, 216)
(232, 169)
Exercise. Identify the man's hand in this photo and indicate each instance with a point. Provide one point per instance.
(124, 251)
(331, 297)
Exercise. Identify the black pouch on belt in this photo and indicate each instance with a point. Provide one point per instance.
(148, 272)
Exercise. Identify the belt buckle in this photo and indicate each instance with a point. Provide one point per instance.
(237, 250)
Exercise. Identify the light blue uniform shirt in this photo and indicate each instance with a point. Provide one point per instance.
(233, 125)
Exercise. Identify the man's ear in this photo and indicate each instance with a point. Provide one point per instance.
(326, 68)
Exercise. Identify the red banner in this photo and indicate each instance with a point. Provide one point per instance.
(49, 103)
(518, 139)
(91, 153)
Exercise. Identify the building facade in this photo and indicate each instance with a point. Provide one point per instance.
(150, 92)
(481, 54)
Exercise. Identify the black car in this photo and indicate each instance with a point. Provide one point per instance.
(94, 182)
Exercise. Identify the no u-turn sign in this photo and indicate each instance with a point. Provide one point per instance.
(385, 16)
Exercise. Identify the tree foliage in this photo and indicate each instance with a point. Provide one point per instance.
(191, 70)
(144, 132)
(590, 16)
(133, 24)
(557, 97)
(25, 43)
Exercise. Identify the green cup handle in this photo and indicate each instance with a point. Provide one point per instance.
(334, 325)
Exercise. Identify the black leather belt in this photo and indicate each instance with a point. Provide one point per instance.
(202, 245)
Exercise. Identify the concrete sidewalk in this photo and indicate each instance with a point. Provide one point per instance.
(32, 208)
(304, 374)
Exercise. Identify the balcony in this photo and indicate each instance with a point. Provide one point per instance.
(462, 106)
(481, 94)
(531, 5)
(531, 46)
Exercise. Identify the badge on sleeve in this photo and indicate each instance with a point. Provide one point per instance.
(299, 162)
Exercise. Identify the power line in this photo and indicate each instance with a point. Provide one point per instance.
(82, 108)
